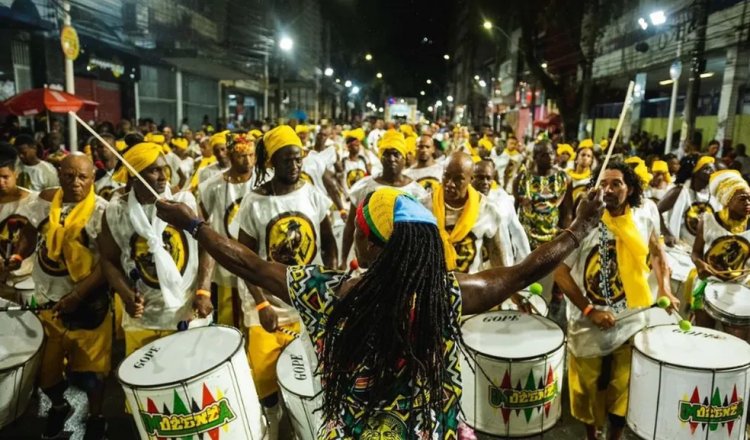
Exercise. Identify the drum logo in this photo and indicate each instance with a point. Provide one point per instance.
(716, 413)
(533, 395)
(184, 422)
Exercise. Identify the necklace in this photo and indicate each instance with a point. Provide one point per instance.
(604, 286)
(732, 225)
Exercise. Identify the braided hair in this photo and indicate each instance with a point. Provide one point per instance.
(395, 321)
(261, 156)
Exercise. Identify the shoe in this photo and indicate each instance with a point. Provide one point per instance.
(56, 418)
(96, 428)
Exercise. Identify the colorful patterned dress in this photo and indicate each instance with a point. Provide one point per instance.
(541, 217)
(312, 290)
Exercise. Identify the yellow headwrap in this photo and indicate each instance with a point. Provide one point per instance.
(64, 243)
(463, 226)
(218, 138)
(604, 143)
(255, 133)
(180, 143)
(579, 176)
(486, 143)
(392, 140)
(702, 162)
(407, 130)
(586, 143)
(660, 166)
(357, 134)
(278, 138)
(634, 160)
(411, 145)
(156, 138)
(566, 148)
(301, 128)
(120, 145)
(725, 183)
(632, 252)
(140, 156)
(205, 161)
(641, 170)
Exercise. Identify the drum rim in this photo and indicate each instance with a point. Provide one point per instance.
(559, 417)
(723, 315)
(516, 359)
(281, 385)
(36, 352)
(187, 379)
(683, 367)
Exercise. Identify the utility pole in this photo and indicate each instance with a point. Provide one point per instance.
(696, 68)
(70, 84)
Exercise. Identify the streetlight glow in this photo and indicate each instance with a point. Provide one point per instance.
(328, 71)
(421, 92)
(446, 57)
(482, 83)
(286, 44)
(643, 23)
(347, 84)
(449, 98)
(544, 65)
(438, 103)
(380, 109)
(379, 75)
(658, 18)
(368, 57)
(338, 80)
(476, 77)
(429, 81)
(429, 109)
(355, 90)
(487, 25)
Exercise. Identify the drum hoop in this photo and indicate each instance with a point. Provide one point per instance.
(725, 316)
(534, 435)
(517, 359)
(36, 353)
(187, 379)
(683, 367)
(301, 396)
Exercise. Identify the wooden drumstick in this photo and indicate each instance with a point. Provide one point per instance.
(611, 146)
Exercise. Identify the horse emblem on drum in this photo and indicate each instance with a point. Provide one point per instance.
(175, 244)
(593, 274)
(728, 254)
(291, 239)
(694, 213)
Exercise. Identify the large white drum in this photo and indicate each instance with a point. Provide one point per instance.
(193, 383)
(537, 301)
(688, 385)
(728, 302)
(512, 386)
(680, 264)
(301, 390)
(21, 338)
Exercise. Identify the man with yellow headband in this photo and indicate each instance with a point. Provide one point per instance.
(356, 164)
(284, 220)
(180, 148)
(303, 132)
(688, 200)
(720, 250)
(566, 156)
(508, 162)
(104, 185)
(159, 273)
(427, 172)
(661, 181)
(607, 275)
(220, 199)
(392, 150)
(63, 225)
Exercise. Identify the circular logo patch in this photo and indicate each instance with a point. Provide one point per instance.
(10, 230)
(230, 228)
(729, 254)
(51, 267)
(354, 175)
(175, 244)
(592, 276)
(466, 251)
(291, 239)
(693, 214)
(429, 183)
(384, 426)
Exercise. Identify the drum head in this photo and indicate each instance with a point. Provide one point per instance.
(512, 335)
(700, 348)
(294, 371)
(21, 336)
(24, 284)
(680, 263)
(731, 300)
(179, 357)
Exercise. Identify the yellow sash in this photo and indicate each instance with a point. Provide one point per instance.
(632, 252)
(64, 242)
(461, 229)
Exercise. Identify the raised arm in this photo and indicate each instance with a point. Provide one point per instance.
(484, 290)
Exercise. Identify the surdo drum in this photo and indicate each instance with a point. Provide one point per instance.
(193, 383)
(512, 385)
(301, 390)
(21, 338)
(688, 385)
(680, 264)
(537, 301)
(728, 303)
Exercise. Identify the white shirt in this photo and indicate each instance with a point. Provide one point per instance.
(514, 244)
(209, 171)
(105, 186)
(374, 137)
(37, 177)
(429, 177)
(369, 184)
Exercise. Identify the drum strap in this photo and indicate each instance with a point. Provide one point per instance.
(605, 374)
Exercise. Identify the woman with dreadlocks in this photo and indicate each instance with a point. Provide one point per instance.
(388, 342)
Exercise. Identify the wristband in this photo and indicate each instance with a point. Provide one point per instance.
(587, 311)
(195, 226)
(343, 212)
(262, 306)
(15, 257)
(203, 292)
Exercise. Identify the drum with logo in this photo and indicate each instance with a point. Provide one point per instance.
(536, 300)
(21, 338)
(513, 378)
(680, 264)
(193, 383)
(688, 385)
(728, 303)
(301, 390)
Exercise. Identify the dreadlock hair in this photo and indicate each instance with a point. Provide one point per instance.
(261, 156)
(396, 318)
(631, 180)
(686, 168)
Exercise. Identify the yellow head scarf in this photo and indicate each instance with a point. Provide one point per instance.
(702, 162)
(218, 138)
(723, 184)
(632, 252)
(463, 226)
(660, 166)
(180, 143)
(586, 143)
(634, 160)
(156, 138)
(392, 140)
(140, 156)
(486, 143)
(64, 243)
(566, 148)
(278, 138)
(255, 133)
(120, 145)
(641, 170)
(411, 145)
(357, 134)
(301, 128)
(378, 213)
(407, 130)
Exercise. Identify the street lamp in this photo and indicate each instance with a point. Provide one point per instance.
(449, 98)
(347, 84)
(328, 72)
(355, 90)
(658, 18)
(446, 57)
(476, 77)
(487, 25)
(338, 80)
(379, 75)
(286, 44)
(368, 57)
(429, 81)
(421, 92)
(482, 83)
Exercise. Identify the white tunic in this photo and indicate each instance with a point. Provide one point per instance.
(369, 184)
(137, 262)
(174, 162)
(507, 166)
(105, 186)
(514, 244)
(37, 177)
(209, 171)
(687, 209)
(429, 177)
(52, 280)
(354, 171)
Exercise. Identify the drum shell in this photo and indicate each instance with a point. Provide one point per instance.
(728, 303)
(17, 381)
(538, 379)
(301, 405)
(664, 397)
(228, 386)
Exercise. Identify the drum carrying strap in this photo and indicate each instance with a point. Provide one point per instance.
(605, 373)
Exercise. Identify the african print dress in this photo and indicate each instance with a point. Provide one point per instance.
(541, 217)
(312, 290)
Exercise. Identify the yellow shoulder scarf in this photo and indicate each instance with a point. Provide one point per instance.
(579, 176)
(632, 253)
(463, 226)
(205, 161)
(64, 242)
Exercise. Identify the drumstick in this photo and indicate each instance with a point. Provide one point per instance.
(534, 289)
(662, 303)
(27, 307)
(117, 154)
(628, 97)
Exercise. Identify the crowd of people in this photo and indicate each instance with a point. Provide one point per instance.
(442, 222)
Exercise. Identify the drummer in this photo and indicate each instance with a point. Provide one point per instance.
(156, 270)
(72, 291)
(285, 220)
(370, 368)
(606, 275)
(688, 200)
(221, 196)
(720, 249)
